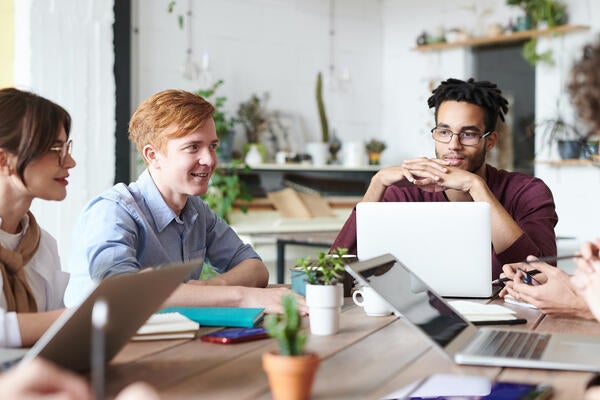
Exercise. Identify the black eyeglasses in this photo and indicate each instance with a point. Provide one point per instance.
(466, 138)
(62, 150)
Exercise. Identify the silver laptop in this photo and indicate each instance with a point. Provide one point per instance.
(131, 300)
(448, 244)
(427, 311)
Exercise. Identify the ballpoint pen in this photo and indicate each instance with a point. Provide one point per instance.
(533, 272)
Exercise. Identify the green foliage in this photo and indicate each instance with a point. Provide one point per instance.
(225, 188)
(531, 55)
(254, 117)
(550, 11)
(327, 269)
(287, 329)
(375, 146)
(170, 9)
(321, 108)
(223, 124)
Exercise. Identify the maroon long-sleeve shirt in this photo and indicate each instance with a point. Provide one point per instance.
(527, 199)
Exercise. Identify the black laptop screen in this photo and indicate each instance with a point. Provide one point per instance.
(410, 296)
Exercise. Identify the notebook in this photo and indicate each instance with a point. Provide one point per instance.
(131, 299)
(448, 244)
(461, 341)
(167, 326)
(236, 317)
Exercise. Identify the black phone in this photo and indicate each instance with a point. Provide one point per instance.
(235, 335)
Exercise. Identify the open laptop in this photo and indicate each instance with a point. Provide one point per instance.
(131, 300)
(464, 343)
(448, 244)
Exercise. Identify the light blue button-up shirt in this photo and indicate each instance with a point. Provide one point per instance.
(129, 228)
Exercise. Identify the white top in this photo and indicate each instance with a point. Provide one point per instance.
(45, 278)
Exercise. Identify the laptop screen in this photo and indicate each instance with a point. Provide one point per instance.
(412, 298)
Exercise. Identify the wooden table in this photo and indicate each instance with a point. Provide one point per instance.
(369, 358)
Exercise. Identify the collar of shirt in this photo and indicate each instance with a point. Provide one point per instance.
(162, 214)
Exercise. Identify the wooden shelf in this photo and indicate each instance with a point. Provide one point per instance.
(568, 163)
(507, 38)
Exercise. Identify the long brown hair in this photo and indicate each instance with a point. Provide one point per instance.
(29, 125)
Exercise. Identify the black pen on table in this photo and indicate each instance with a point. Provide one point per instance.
(99, 322)
(533, 272)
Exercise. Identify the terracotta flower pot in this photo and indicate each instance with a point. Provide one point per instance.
(290, 377)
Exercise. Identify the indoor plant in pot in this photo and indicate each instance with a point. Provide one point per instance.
(319, 150)
(374, 149)
(291, 372)
(568, 139)
(253, 116)
(324, 290)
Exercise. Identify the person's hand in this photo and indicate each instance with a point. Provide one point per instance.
(138, 391)
(39, 379)
(586, 279)
(448, 178)
(556, 295)
(510, 270)
(270, 299)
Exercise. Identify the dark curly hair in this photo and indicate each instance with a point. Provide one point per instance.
(584, 86)
(480, 93)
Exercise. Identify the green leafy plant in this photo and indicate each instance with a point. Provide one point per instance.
(253, 115)
(326, 269)
(375, 146)
(551, 12)
(225, 188)
(321, 109)
(287, 329)
(223, 123)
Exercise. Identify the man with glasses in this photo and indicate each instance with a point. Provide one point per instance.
(522, 208)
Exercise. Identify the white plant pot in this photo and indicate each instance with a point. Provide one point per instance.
(318, 152)
(324, 306)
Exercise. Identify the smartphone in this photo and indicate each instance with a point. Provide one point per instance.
(235, 335)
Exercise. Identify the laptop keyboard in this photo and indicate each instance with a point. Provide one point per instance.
(513, 344)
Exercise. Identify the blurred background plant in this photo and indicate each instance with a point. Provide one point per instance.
(225, 188)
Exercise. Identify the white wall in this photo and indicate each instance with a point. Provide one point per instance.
(64, 52)
(276, 46)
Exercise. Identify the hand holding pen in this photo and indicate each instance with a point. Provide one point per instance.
(529, 274)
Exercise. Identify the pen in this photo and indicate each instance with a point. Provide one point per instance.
(99, 322)
(535, 271)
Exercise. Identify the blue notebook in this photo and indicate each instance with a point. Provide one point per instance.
(220, 316)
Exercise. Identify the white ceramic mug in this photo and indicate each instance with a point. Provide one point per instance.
(372, 303)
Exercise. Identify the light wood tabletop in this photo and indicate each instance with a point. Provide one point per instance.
(369, 358)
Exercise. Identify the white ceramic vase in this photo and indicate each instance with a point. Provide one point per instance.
(318, 152)
(253, 157)
(324, 307)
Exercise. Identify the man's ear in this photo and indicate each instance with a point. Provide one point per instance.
(491, 140)
(151, 156)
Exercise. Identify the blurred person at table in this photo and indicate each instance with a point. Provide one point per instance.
(35, 159)
(160, 219)
(40, 379)
(577, 296)
(522, 207)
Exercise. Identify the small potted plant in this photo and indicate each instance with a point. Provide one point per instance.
(291, 372)
(253, 116)
(324, 290)
(567, 137)
(374, 149)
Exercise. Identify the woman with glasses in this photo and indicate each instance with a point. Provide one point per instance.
(34, 162)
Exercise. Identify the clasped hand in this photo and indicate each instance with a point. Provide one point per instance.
(429, 174)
